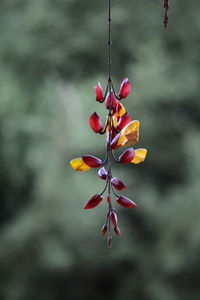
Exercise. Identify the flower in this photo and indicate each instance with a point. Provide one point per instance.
(94, 201)
(111, 98)
(126, 202)
(95, 123)
(127, 156)
(79, 165)
(99, 92)
(125, 88)
(117, 183)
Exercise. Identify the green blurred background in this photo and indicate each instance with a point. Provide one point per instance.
(52, 53)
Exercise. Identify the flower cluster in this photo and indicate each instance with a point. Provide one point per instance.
(120, 131)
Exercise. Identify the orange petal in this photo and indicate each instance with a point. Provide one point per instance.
(140, 155)
(78, 164)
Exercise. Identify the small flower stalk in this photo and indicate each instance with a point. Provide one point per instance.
(120, 131)
(166, 13)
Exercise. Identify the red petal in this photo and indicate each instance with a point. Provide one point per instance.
(115, 141)
(104, 229)
(123, 121)
(117, 230)
(126, 202)
(117, 183)
(111, 98)
(127, 156)
(95, 122)
(113, 217)
(125, 88)
(92, 161)
(94, 201)
(99, 92)
(102, 173)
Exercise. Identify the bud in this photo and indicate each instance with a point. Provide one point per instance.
(117, 230)
(123, 121)
(108, 198)
(111, 98)
(125, 88)
(127, 156)
(94, 201)
(114, 143)
(126, 202)
(117, 183)
(113, 217)
(102, 173)
(104, 229)
(92, 161)
(95, 122)
(99, 92)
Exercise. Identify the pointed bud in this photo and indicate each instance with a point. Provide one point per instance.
(102, 173)
(123, 121)
(94, 201)
(113, 218)
(95, 122)
(114, 143)
(125, 88)
(127, 156)
(126, 202)
(99, 92)
(117, 230)
(111, 98)
(104, 229)
(92, 161)
(108, 198)
(117, 183)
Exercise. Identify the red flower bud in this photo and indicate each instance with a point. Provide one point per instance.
(111, 98)
(104, 229)
(117, 230)
(99, 92)
(94, 201)
(95, 122)
(92, 161)
(123, 121)
(102, 173)
(127, 155)
(113, 217)
(125, 88)
(108, 198)
(126, 202)
(115, 142)
(117, 183)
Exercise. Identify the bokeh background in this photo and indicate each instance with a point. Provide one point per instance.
(52, 53)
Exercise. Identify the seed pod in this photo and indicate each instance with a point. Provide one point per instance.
(94, 201)
(125, 88)
(92, 161)
(117, 183)
(104, 229)
(126, 202)
(127, 156)
(103, 173)
(123, 121)
(99, 92)
(95, 122)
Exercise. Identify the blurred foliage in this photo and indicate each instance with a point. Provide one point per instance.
(52, 53)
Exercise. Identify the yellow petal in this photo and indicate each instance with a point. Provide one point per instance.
(120, 109)
(140, 155)
(129, 133)
(78, 164)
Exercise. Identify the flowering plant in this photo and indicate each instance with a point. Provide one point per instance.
(120, 131)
